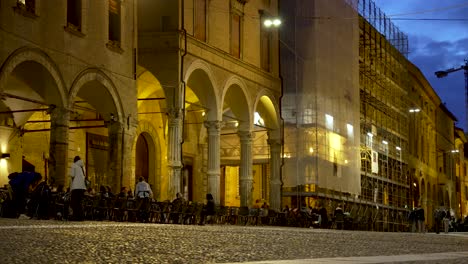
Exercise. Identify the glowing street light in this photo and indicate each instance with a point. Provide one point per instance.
(414, 110)
(272, 22)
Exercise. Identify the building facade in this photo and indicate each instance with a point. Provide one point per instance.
(184, 93)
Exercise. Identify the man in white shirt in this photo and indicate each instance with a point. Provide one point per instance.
(143, 189)
(143, 195)
(77, 187)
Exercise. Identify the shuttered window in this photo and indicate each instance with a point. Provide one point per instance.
(235, 35)
(74, 14)
(200, 19)
(114, 21)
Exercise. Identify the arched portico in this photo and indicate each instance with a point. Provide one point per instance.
(202, 109)
(268, 119)
(147, 132)
(93, 94)
(238, 130)
(32, 87)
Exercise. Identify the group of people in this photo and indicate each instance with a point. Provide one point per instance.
(442, 217)
(318, 214)
(27, 194)
(417, 220)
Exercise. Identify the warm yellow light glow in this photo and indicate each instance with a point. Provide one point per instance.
(203, 113)
(258, 120)
(3, 148)
(311, 150)
(346, 161)
(329, 122)
(335, 142)
(414, 184)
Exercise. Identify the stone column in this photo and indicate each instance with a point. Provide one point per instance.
(275, 171)
(213, 172)
(128, 177)
(174, 150)
(246, 173)
(58, 150)
(116, 141)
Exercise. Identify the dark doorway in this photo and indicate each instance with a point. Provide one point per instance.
(142, 158)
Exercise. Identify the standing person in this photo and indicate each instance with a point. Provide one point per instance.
(323, 216)
(439, 214)
(420, 219)
(78, 188)
(143, 195)
(446, 221)
(412, 219)
(143, 189)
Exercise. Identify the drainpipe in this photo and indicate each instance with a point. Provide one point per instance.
(281, 114)
(184, 32)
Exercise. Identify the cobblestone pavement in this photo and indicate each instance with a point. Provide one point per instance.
(35, 241)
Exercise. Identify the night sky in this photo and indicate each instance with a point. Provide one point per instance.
(436, 44)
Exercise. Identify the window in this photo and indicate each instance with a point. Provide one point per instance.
(265, 48)
(114, 22)
(200, 19)
(74, 14)
(235, 35)
(28, 5)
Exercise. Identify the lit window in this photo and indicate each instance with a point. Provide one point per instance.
(350, 130)
(29, 5)
(329, 122)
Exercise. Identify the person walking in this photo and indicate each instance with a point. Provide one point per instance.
(78, 188)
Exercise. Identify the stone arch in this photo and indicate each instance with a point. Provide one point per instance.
(35, 55)
(94, 75)
(147, 130)
(199, 77)
(267, 104)
(235, 93)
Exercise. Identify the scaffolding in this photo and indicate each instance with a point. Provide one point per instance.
(345, 82)
(384, 82)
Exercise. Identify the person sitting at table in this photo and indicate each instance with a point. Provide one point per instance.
(208, 210)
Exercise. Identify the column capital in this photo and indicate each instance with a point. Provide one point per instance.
(245, 135)
(213, 126)
(274, 143)
(174, 113)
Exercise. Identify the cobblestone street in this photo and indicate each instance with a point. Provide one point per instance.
(34, 241)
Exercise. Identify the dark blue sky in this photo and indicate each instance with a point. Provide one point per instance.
(436, 45)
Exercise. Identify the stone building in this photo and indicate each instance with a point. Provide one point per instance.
(68, 88)
(345, 72)
(208, 100)
(184, 93)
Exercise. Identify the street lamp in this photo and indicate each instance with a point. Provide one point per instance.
(272, 22)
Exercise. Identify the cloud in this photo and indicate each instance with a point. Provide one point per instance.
(432, 56)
